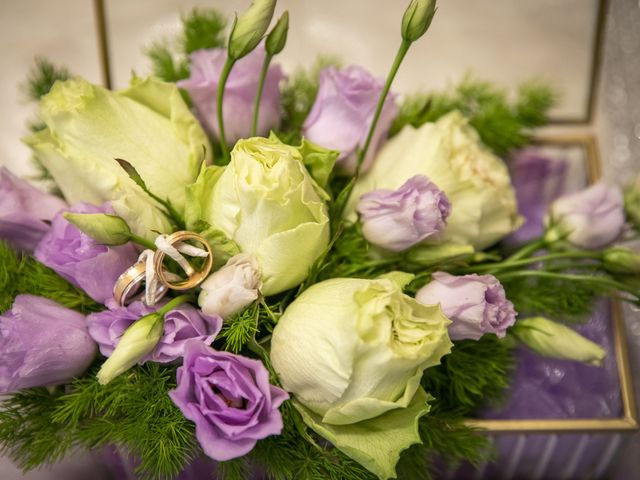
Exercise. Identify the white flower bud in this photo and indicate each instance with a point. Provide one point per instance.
(229, 290)
(135, 344)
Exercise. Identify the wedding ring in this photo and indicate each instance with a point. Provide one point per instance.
(128, 285)
(194, 279)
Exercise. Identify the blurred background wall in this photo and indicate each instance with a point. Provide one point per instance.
(503, 41)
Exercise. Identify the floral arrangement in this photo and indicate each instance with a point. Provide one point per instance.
(302, 276)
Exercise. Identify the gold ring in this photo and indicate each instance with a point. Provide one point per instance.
(130, 282)
(192, 280)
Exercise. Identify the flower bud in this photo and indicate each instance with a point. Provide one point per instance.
(277, 38)
(621, 260)
(632, 203)
(229, 290)
(250, 27)
(552, 339)
(135, 344)
(417, 18)
(398, 219)
(591, 218)
(103, 228)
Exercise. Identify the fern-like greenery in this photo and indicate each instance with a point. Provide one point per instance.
(473, 373)
(41, 78)
(201, 29)
(23, 274)
(133, 412)
(561, 300)
(503, 125)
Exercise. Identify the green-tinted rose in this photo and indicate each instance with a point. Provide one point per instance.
(147, 124)
(268, 204)
(449, 152)
(352, 352)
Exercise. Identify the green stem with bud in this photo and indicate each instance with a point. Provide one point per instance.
(528, 249)
(173, 303)
(224, 75)
(519, 262)
(402, 52)
(256, 103)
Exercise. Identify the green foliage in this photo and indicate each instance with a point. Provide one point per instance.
(473, 373)
(298, 95)
(23, 274)
(240, 329)
(447, 439)
(201, 29)
(41, 78)
(503, 125)
(27, 434)
(562, 300)
(164, 65)
(132, 412)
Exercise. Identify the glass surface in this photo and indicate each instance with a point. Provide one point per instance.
(503, 41)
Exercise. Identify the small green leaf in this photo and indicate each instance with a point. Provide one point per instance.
(375, 443)
(133, 173)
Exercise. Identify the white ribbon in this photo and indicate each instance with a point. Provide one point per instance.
(173, 251)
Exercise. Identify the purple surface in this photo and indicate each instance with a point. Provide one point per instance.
(546, 388)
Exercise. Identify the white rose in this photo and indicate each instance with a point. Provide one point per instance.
(233, 287)
(449, 152)
(267, 203)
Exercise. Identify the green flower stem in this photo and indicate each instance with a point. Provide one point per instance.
(224, 75)
(143, 241)
(402, 51)
(346, 192)
(256, 104)
(604, 281)
(528, 249)
(173, 304)
(508, 264)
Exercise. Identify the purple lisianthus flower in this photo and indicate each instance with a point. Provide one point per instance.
(476, 304)
(229, 398)
(24, 211)
(42, 343)
(537, 181)
(239, 92)
(80, 259)
(591, 218)
(398, 219)
(343, 111)
(180, 325)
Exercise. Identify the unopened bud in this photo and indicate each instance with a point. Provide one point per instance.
(417, 18)
(552, 339)
(103, 228)
(621, 260)
(249, 28)
(632, 203)
(135, 344)
(277, 37)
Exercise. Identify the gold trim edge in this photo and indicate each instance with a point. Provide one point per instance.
(629, 420)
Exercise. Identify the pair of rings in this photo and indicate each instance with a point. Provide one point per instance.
(128, 286)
